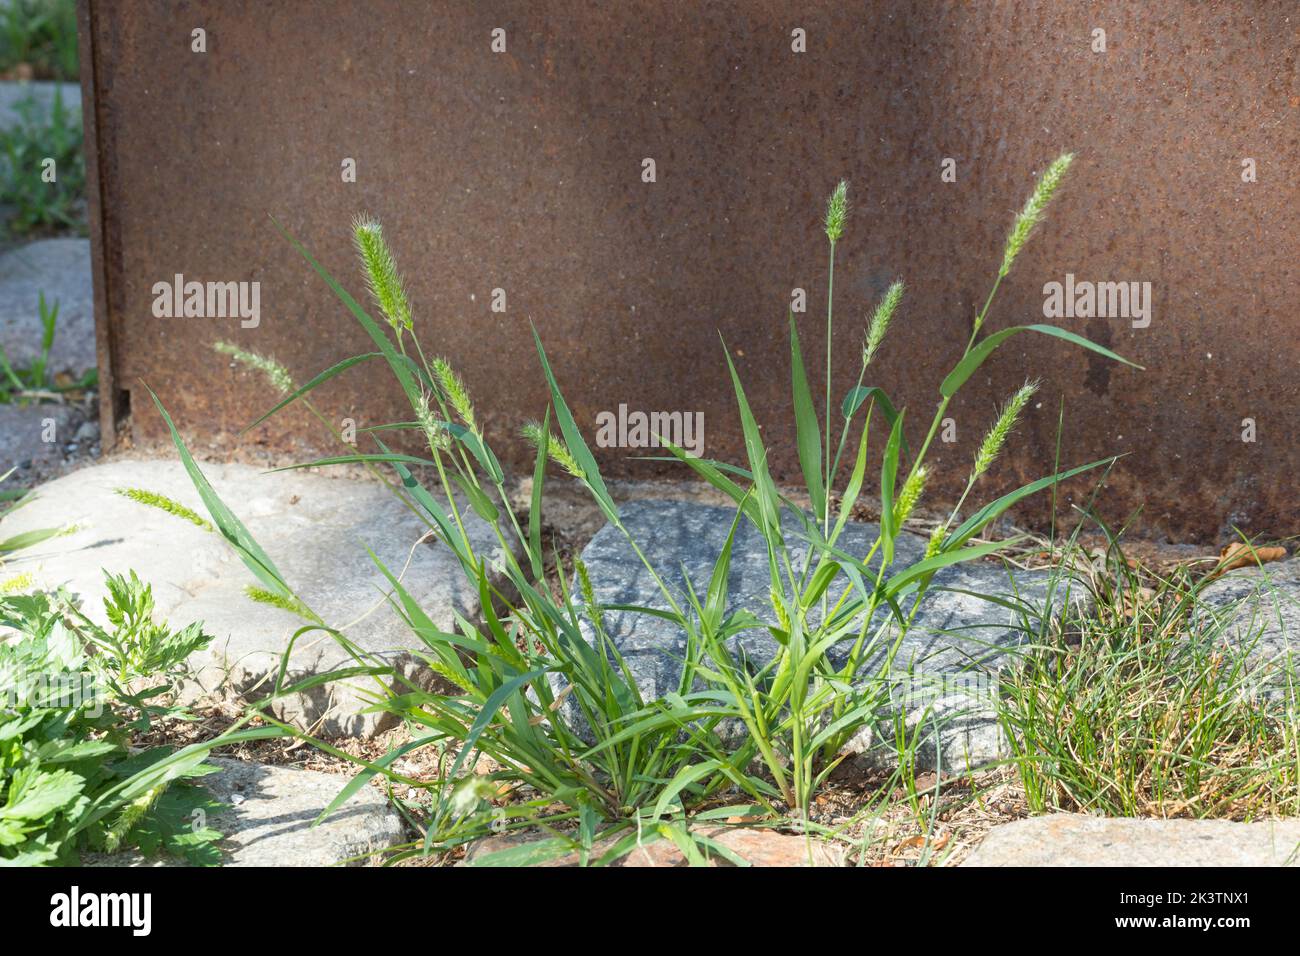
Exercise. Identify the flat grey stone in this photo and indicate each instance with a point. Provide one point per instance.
(943, 671)
(1070, 839)
(270, 814)
(13, 93)
(61, 269)
(1256, 612)
(23, 433)
(316, 529)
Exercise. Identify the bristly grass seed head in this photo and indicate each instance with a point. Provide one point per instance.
(1032, 214)
(131, 816)
(913, 488)
(154, 500)
(589, 594)
(936, 540)
(880, 321)
(997, 436)
(556, 450)
(455, 392)
(275, 373)
(837, 210)
(17, 583)
(434, 432)
(382, 277)
(270, 598)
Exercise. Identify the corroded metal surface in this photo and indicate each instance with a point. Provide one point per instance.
(522, 171)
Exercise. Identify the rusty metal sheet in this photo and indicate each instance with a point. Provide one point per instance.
(522, 170)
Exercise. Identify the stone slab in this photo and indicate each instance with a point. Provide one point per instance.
(1256, 611)
(945, 661)
(13, 93)
(315, 528)
(755, 846)
(61, 269)
(23, 433)
(1069, 839)
(270, 814)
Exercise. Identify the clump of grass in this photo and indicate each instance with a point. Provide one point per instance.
(32, 382)
(38, 39)
(1149, 709)
(38, 205)
(544, 691)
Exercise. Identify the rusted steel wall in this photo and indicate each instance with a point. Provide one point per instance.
(522, 170)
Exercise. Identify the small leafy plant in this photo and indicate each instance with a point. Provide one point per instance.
(72, 694)
(33, 382)
(545, 707)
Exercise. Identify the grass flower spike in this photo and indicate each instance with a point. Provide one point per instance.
(433, 429)
(282, 601)
(935, 543)
(275, 373)
(1001, 430)
(1032, 214)
(154, 500)
(913, 488)
(837, 210)
(454, 390)
(385, 283)
(556, 450)
(880, 321)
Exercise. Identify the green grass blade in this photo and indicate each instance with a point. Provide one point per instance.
(888, 477)
(530, 853)
(972, 525)
(986, 347)
(358, 458)
(764, 489)
(573, 438)
(320, 379)
(715, 601)
(807, 429)
(365, 775)
(231, 528)
(930, 565)
(854, 487)
(396, 361)
(860, 393)
(535, 501)
(685, 777)
(488, 712)
(28, 538)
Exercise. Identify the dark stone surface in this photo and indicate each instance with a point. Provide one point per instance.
(1256, 611)
(946, 660)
